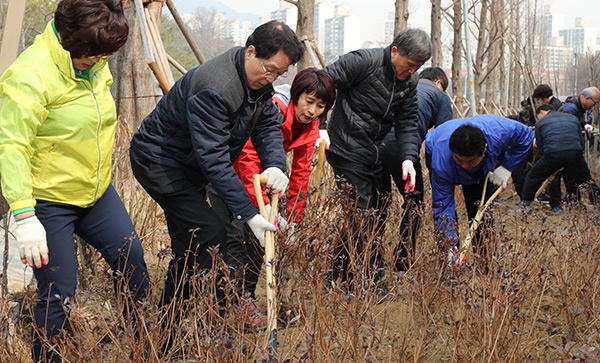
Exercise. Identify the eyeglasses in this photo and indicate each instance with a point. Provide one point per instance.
(96, 58)
(270, 75)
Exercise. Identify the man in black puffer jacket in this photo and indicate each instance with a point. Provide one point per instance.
(377, 90)
(435, 108)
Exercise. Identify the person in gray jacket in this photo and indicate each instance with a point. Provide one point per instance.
(377, 90)
(196, 132)
(435, 108)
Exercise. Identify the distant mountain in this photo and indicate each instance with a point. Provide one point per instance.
(189, 7)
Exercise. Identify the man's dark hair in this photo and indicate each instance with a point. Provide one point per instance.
(90, 28)
(273, 36)
(413, 43)
(544, 107)
(467, 140)
(314, 81)
(435, 74)
(542, 91)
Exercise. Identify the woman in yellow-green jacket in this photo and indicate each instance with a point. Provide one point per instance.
(57, 129)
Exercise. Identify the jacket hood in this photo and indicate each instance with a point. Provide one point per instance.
(62, 57)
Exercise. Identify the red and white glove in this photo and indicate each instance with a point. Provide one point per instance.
(588, 128)
(31, 236)
(259, 225)
(280, 222)
(409, 174)
(278, 181)
(500, 177)
(323, 136)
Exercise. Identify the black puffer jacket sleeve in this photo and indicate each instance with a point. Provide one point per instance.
(370, 101)
(406, 124)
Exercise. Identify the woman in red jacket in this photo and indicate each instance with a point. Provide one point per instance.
(312, 94)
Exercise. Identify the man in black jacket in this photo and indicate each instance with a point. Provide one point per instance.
(435, 108)
(195, 133)
(558, 140)
(377, 89)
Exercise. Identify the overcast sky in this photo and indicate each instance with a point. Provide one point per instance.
(372, 11)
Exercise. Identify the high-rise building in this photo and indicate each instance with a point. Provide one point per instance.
(236, 30)
(323, 10)
(342, 32)
(583, 39)
(551, 24)
(286, 13)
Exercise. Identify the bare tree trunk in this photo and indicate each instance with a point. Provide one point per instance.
(513, 58)
(134, 94)
(436, 33)
(494, 55)
(401, 16)
(305, 25)
(457, 90)
(133, 87)
(482, 44)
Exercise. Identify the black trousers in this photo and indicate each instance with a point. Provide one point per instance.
(244, 255)
(472, 195)
(412, 206)
(194, 227)
(575, 168)
(364, 214)
(520, 173)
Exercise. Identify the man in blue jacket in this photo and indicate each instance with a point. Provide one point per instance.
(435, 108)
(195, 133)
(558, 140)
(579, 104)
(462, 152)
(376, 90)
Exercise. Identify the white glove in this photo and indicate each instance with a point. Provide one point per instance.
(588, 128)
(409, 174)
(31, 236)
(323, 136)
(500, 176)
(280, 222)
(278, 181)
(259, 225)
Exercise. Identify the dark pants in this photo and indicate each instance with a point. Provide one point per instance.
(472, 194)
(365, 215)
(244, 255)
(194, 227)
(412, 206)
(575, 168)
(554, 188)
(106, 226)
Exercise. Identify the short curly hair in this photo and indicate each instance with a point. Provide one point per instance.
(90, 28)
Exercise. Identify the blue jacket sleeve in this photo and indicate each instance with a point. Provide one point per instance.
(518, 145)
(444, 207)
